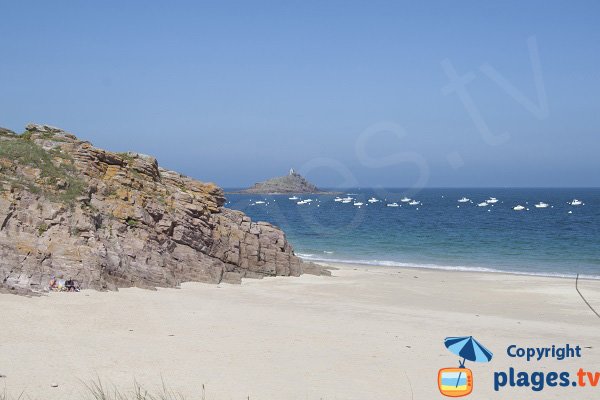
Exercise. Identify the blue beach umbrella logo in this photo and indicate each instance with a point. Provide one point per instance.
(468, 348)
(457, 382)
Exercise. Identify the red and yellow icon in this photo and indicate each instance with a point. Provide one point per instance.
(455, 382)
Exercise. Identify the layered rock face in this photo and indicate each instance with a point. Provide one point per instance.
(109, 220)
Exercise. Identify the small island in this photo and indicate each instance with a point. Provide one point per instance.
(292, 183)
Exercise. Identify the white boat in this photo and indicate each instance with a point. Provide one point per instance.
(348, 198)
(576, 202)
(414, 203)
(518, 208)
(482, 204)
(293, 198)
(301, 202)
(392, 205)
(346, 201)
(358, 204)
(492, 200)
(372, 200)
(338, 199)
(405, 199)
(464, 200)
(541, 204)
(259, 202)
(308, 200)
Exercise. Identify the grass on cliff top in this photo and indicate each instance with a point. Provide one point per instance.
(128, 157)
(25, 152)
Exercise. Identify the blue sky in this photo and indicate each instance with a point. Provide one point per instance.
(348, 92)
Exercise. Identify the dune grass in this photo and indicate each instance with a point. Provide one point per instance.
(5, 396)
(96, 390)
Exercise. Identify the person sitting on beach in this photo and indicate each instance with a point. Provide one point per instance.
(72, 285)
(61, 285)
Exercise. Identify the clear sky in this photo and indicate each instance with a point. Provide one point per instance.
(351, 93)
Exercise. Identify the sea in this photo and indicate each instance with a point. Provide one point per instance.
(440, 232)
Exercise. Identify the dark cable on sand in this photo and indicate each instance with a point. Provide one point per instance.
(583, 298)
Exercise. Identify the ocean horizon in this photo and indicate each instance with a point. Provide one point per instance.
(560, 240)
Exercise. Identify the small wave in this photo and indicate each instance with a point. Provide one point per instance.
(385, 263)
(304, 255)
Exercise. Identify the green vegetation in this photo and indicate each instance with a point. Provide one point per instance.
(26, 135)
(42, 135)
(128, 158)
(22, 151)
(132, 222)
(42, 228)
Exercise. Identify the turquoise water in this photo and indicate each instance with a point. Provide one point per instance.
(438, 234)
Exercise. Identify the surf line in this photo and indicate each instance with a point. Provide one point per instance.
(583, 298)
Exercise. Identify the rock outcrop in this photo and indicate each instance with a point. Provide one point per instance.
(4, 131)
(293, 183)
(109, 220)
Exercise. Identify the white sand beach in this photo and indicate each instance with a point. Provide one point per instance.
(364, 333)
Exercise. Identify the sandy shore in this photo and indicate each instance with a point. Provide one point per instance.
(365, 333)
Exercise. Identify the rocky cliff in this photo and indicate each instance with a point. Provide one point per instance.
(112, 220)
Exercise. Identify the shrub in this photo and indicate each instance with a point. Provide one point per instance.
(42, 228)
(131, 222)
